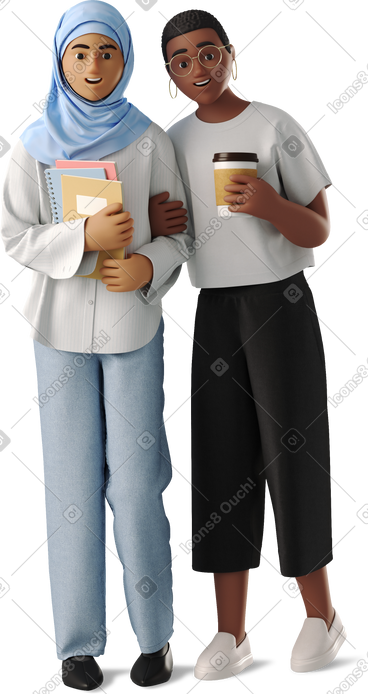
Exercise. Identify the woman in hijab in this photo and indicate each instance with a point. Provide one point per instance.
(99, 343)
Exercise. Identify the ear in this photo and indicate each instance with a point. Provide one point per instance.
(169, 75)
(232, 51)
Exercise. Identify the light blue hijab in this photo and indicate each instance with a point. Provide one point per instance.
(72, 127)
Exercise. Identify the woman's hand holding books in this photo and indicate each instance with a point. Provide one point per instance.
(108, 229)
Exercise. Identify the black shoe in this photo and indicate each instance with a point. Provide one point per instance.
(153, 668)
(86, 673)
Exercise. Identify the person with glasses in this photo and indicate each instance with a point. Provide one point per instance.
(259, 401)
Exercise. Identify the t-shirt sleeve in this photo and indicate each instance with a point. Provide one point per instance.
(300, 167)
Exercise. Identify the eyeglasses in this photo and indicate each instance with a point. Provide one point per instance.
(209, 56)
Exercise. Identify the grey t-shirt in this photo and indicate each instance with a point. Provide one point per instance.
(247, 250)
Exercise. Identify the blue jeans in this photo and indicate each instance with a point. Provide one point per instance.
(103, 435)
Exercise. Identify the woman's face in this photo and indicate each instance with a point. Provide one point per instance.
(93, 65)
(204, 84)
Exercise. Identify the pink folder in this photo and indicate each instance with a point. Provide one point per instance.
(109, 166)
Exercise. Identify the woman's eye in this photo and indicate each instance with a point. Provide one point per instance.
(81, 56)
(183, 64)
(209, 56)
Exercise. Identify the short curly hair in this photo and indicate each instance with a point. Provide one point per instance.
(190, 20)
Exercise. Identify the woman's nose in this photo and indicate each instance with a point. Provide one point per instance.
(93, 61)
(198, 69)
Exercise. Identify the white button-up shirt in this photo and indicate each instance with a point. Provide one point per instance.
(71, 313)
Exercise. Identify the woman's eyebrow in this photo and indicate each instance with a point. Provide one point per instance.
(83, 45)
(203, 43)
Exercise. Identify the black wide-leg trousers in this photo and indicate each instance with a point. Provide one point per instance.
(259, 413)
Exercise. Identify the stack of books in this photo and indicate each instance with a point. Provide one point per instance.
(90, 187)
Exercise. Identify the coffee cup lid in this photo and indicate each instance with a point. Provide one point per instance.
(235, 156)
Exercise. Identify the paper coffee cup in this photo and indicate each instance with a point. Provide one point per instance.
(227, 164)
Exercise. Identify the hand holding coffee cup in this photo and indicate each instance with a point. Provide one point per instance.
(254, 197)
(227, 164)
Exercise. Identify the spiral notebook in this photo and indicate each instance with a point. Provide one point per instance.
(53, 182)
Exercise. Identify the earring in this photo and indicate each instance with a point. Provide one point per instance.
(236, 76)
(232, 70)
(173, 97)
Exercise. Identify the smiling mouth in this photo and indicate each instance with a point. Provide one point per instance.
(94, 81)
(202, 84)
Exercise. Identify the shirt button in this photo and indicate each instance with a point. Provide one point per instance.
(90, 301)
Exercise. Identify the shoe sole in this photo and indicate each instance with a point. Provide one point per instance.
(203, 673)
(320, 661)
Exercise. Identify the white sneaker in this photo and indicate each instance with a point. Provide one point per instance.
(222, 658)
(316, 646)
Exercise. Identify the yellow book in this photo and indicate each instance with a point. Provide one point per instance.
(83, 197)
